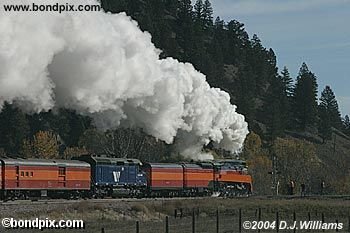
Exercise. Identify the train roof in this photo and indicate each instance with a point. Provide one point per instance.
(163, 165)
(103, 159)
(230, 161)
(198, 165)
(206, 164)
(191, 165)
(44, 162)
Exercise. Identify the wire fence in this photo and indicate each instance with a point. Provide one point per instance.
(235, 221)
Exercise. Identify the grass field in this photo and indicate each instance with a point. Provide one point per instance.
(121, 215)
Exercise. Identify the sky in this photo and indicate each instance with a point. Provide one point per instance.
(313, 31)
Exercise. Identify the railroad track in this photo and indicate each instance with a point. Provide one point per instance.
(106, 200)
(112, 200)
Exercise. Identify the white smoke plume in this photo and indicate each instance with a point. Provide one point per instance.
(104, 66)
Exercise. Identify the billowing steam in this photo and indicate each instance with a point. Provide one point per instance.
(104, 66)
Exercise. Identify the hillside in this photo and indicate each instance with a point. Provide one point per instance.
(335, 155)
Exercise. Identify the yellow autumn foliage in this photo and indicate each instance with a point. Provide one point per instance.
(44, 145)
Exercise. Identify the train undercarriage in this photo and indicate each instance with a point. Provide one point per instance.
(100, 192)
(234, 189)
(7, 195)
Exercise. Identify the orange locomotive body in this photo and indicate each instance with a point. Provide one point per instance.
(163, 176)
(227, 177)
(196, 176)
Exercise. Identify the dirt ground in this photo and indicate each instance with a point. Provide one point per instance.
(210, 214)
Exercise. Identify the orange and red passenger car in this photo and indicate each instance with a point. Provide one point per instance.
(25, 177)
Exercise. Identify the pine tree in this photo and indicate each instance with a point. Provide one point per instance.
(256, 42)
(263, 61)
(287, 82)
(219, 24)
(202, 38)
(237, 42)
(330, 104)
(346, 124)
(13, 128)
(275, 110)
(244, 91)
(305, 99)
(207, 14)
(184, 30)
(198, 11)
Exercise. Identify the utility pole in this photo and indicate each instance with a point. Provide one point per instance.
(274, 173)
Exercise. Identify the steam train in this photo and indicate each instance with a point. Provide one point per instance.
(92, 176)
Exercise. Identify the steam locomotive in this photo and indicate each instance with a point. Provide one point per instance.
(93, 176)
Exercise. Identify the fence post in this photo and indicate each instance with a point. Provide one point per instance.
(336, 221)
(137, 227)
(193, 222)
(233, 220)
(166, 224)
(102, 230)
(349, 223)
(240, 221)
(217, 221)
(277, 222)
(259, 214)
(309, 216)
(322, 221)
(175, 213)
(259, 217)
(294, 220)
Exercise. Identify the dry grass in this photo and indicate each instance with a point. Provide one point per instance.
(121, 216)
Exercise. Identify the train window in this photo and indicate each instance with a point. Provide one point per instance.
(22, 173)
(61, 171)
(31, 174)
(27, 173)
